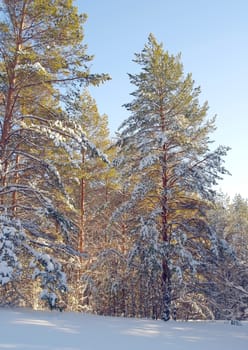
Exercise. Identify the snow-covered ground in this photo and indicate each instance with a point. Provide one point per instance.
(26, 329)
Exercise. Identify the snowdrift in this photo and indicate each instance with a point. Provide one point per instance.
(36, 330)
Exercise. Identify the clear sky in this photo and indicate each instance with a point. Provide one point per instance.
(212, 36)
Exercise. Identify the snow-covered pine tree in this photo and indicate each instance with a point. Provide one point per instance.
(91, 171)
(41, 51)
(91, 183)
(102, 272)
(229, 291)
(167, 164)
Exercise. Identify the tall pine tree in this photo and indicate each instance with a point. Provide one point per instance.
(42, 60)
(167, 164)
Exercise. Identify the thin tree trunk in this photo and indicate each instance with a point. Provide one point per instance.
(16, 179)
(81, 236)
(10, 101)
(166, 273)
(81, 241)
(166, 279)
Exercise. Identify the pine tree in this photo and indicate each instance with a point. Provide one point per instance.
(42, 60)
(236, 231)
(230, 220)
(167, 164)
(88, 179)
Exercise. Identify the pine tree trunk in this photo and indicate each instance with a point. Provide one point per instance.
(166, 278)
(16, 178)
(10, 102)
(166, 274)
(6, 131)
(82, 208)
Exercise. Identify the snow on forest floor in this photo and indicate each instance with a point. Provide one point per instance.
(37, 330)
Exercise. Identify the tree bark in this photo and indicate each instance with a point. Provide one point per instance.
(16, 179)
(166, 273)
(81, 240)
(11, 95)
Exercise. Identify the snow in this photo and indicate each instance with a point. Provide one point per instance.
(23, 329)
(5, 272)
(32, 67)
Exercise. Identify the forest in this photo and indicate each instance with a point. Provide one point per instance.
(130, 225)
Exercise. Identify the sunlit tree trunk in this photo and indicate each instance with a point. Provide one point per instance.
(15, 182)
(166, 274)
(81, 240)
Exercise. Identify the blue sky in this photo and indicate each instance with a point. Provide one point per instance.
(212, 36)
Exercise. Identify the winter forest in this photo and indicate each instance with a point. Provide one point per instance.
(130, 225)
